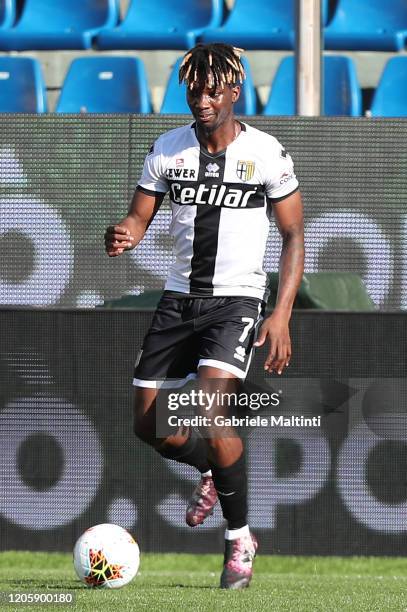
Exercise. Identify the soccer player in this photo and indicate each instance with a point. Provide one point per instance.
(225, 180)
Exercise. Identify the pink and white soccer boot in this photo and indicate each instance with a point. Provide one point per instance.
(202, 502)
(238, 562)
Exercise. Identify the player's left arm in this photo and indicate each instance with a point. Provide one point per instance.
(288, 215)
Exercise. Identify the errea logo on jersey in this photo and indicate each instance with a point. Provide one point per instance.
(212, 170)
(229, 196)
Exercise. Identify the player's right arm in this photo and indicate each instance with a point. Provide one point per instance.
(129, 232)
(146, 201)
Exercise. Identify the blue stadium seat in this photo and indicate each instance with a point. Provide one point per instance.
(368, 25)
(175, 94)
(342, 93)
(105, 85)
(59, 24)
(22, 87)
(163, 24)
(390, 97)
(7, 13)
(259, 24)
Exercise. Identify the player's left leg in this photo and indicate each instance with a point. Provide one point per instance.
(227, 461)
(228, 327)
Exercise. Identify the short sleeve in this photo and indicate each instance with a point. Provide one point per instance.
(281, 180)
(153, 179)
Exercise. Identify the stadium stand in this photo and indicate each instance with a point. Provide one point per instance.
(160, 54)
(175, 94)
(259, 24)
(344, 291)
(162, 24)
(22, 87)
(54, 24)
(326, 291)
(7, 13)
(390, 96)
(368, 25)
(105, 85)
(342, 93)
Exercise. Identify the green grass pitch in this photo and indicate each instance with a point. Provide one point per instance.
(169, 582)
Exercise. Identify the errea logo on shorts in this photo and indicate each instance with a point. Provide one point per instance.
(240, 353)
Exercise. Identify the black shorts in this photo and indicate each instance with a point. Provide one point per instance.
(187, 333)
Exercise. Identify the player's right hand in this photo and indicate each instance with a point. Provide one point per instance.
(117, 240)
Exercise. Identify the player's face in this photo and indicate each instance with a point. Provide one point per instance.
(212, 106)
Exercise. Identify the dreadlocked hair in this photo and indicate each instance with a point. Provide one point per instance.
(216, 64)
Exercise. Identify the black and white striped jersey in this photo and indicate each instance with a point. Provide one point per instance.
(220, 207)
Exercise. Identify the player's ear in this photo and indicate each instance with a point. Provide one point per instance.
(235, 93)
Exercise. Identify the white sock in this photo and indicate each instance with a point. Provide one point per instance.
(208, 473)
(233, 534)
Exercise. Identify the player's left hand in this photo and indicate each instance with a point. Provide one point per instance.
(275, 328)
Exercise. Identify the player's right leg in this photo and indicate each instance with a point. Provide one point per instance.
(169, 355)
(184, 446)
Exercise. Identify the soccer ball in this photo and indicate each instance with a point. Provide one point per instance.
(106, 556)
